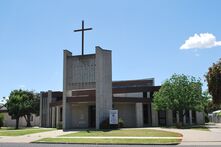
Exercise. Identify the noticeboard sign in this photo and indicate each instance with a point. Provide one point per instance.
(113, 117)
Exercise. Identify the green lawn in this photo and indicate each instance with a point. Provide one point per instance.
(110, 141)
(23, 131)
(127, 132)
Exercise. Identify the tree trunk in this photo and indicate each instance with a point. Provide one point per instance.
(17, 123)
(28, 120)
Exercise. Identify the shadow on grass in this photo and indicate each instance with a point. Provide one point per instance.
(200, 127)
(91, 129)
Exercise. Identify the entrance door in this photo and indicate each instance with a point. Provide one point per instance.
(146, 114)
(91, 116)
(162, 118)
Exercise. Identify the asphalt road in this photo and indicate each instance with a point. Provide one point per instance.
(85, 145)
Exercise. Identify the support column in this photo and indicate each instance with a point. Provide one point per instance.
(53, 117)
(103, 76)
(154, 116)
(58, 116)
(190, 115)
(48, 108)
(184, 118)
(169, 117)
(139, 114)
(177, 117)
(66, 106)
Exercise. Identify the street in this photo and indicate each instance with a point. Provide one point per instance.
(86, 145)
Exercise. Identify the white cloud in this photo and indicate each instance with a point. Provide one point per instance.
(22, 86)
(203, 40)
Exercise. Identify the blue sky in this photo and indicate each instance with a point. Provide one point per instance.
(145, 38)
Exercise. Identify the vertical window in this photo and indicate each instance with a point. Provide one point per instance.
(162, 118)
(61, 113)
(145, 94)
(193, 117)
(174, 117)
(145, 114)
(187, 116)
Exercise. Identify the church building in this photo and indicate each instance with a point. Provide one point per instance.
(90, 97)
(89, 94)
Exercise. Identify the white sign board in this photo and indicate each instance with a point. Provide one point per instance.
(113, 117)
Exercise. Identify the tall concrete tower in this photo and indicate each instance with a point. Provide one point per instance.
(92, 71)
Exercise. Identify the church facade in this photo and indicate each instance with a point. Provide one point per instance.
(89, 94)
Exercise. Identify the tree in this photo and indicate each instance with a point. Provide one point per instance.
(213, 78)
(22, 103)
(15, 105)
(180, 93)
(31, 106)
(1, 120)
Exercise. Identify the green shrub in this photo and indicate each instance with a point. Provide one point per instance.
(120, 123)
(105, 124)
(1, 120)
(179, 125)
(59, 125)
(206, 118)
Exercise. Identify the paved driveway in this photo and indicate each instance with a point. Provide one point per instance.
(198, 137)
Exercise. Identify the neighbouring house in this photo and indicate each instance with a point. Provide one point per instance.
(9, 122)
(215, 116)
(89, 94)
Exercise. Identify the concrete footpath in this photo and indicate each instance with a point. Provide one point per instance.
(190, 136)
(117, 137)
(32, 137)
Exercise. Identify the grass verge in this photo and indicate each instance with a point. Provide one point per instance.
(117, 133)
(23, 131)
(109, 141)
(126, 132)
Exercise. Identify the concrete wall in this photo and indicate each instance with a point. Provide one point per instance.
(8, 122)
(139, 114)
(103, 85)
(154, 116)
(127, 112)
(44, 115)
(78, 73)
(200, 119)
(80, 115)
